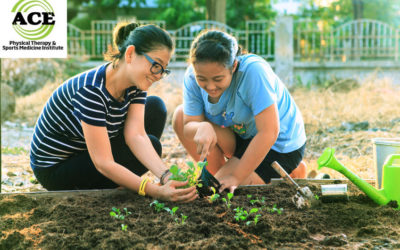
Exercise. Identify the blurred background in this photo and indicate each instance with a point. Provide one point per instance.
(339, 58)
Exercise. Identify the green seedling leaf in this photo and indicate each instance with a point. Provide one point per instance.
(174, 169)
(214, 196)
(228, 201)
(190, 164)
(126, 211)
(249, 196)
(158, 206)
(173, 210)
(253, 210)
(124, 227)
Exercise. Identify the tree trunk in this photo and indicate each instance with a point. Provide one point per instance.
(358, 9)
(216, 10)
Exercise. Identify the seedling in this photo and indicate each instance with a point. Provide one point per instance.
(127, 212)
(116, 213)
(255, 220)
(228, 201)
(182, 220)
(242, 214)
(259, 201)
(191, 175)
(316, 197)
(158, 206)
(275, 209)
(214, 196)
(171, 211)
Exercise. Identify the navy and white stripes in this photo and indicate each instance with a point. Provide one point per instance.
(58, 131)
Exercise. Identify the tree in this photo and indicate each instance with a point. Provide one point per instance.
(216, 10)
(180, 12)
(239, 11)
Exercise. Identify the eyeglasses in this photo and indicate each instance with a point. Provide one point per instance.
(157, 68)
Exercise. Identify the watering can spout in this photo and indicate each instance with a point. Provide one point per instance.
(327, 159)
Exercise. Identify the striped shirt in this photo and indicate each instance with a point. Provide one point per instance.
(58, 132)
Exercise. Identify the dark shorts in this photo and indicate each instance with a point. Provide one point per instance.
(289, 161)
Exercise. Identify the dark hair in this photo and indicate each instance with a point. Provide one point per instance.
(215, 46)
(145, 38)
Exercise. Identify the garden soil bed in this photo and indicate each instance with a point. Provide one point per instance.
(81, 220)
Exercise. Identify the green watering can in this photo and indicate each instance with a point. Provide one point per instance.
(390, 190)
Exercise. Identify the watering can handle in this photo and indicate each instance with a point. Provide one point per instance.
(390, 159)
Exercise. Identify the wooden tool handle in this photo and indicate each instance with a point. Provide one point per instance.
(282, 172)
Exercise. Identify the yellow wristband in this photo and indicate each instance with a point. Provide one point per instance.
(143, 186)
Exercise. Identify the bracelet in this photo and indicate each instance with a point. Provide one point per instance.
(163, 176)
(142, 186)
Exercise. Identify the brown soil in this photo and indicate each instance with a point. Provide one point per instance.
(81, 220)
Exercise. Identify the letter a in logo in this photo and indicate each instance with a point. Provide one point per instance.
(34, 19)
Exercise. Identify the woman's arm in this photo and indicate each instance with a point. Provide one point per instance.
(267, 123)
(99, 148)
(139, 142)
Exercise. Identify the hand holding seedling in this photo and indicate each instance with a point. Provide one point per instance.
(205, 139)
(171, 191)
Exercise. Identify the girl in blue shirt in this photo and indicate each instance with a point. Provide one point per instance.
(236, 108)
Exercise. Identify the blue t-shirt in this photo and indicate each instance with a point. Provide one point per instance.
(254, 87)
(58, 132)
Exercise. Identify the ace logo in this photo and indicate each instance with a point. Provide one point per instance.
(33, 25)
(33, 29)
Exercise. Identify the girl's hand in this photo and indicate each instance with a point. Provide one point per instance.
(205, 139)
(170, 192)
(228, 182)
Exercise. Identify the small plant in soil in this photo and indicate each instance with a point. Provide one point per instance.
(171, 211)
(242, 214)
(117, 214)
(274, 209)
(182, 220)
(227, 200)
(158, 206)
(257, 201)
(191, 175)
(254, 221)
(214, 196)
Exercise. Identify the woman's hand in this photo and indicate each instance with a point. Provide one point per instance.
(170, 192)
(229, 182)
(205, 139)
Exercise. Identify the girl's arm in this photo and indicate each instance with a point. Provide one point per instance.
(99, 147)
(201, 132)
(267, 123)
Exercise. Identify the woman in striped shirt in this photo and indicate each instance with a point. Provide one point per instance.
(100, 130)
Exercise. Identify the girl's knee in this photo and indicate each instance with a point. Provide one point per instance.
(156, 105)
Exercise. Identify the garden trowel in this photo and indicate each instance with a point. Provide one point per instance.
(206, 182)
(304, 198)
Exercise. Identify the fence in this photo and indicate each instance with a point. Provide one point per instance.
(353, 41)
(312, 40)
